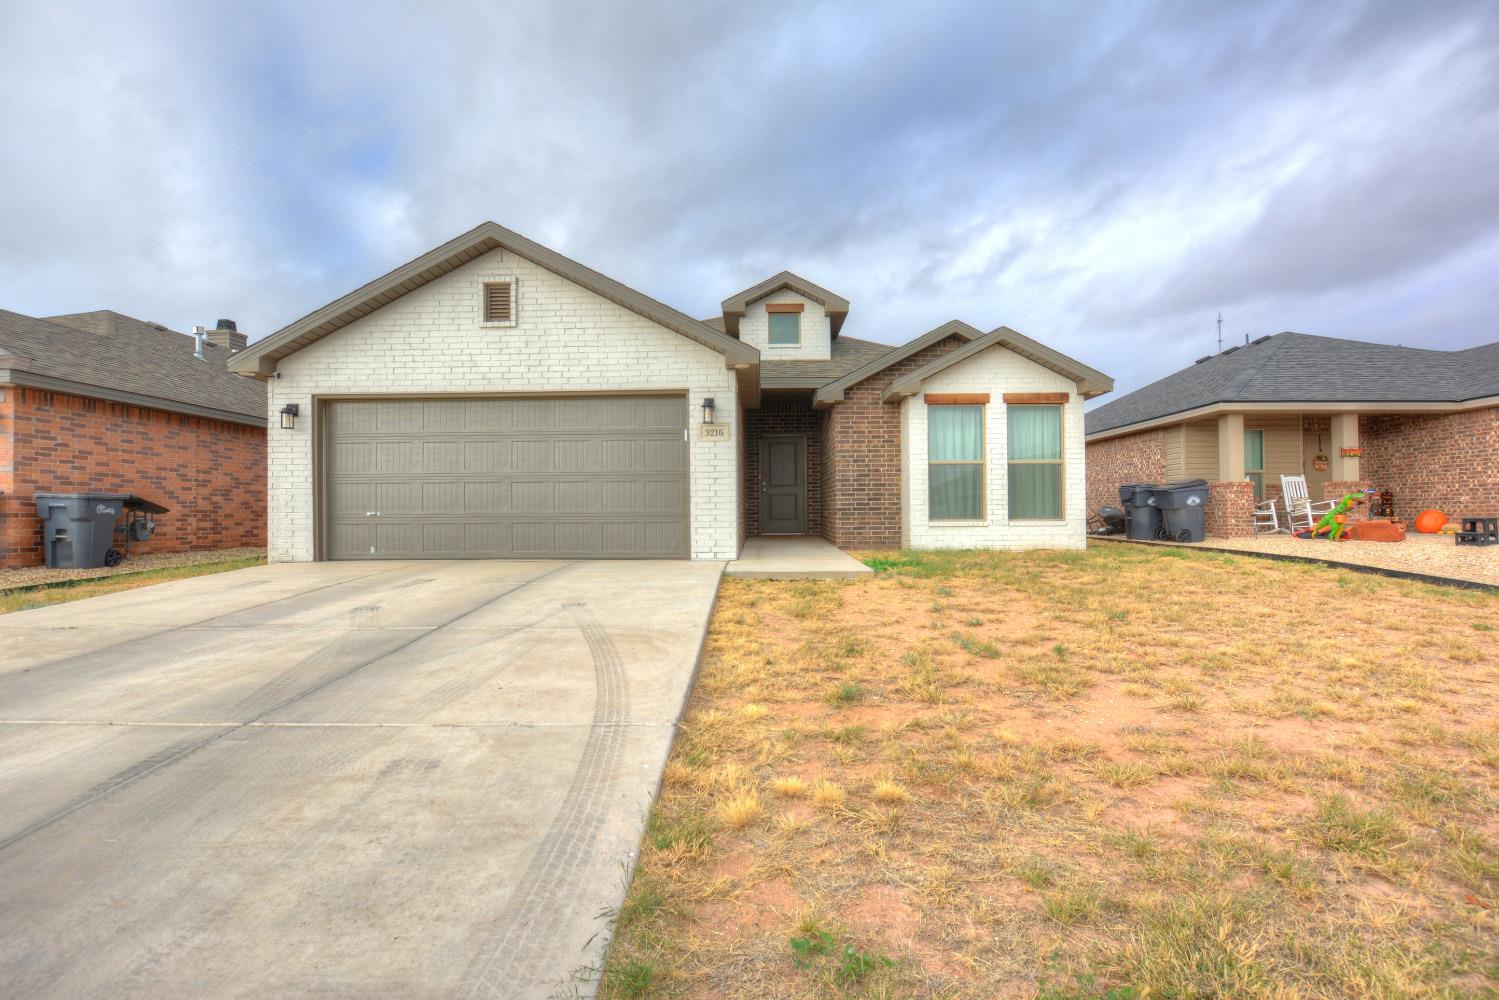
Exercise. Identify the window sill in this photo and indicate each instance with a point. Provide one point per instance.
(1039, 522)
(783, 347)
(955, 523)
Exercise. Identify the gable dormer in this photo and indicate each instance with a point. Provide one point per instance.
(786, 317)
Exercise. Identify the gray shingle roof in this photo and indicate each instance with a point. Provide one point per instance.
(848, 353)
(1301, 368)
(127, 360)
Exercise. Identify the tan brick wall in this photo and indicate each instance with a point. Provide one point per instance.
(1448, 461)
(861, 467)
(1130, 458)
(210, 473)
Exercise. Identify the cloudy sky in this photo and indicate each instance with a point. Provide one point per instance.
(1103, 177)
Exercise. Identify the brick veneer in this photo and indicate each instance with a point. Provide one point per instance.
(1230, 510)
(1447, 461)
(1132, 458)
(210, 473)
(783, 416)
(861, 464)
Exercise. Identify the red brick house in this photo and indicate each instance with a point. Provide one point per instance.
(493, 398)
(100, 401)
(1346, 414)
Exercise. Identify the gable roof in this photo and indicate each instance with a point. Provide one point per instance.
(259, 360)
(833, 392)
(105, 355)
(1302, 368)
(1090, 381)
(836, 306)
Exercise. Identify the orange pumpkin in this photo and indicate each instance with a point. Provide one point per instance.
(1429, 522)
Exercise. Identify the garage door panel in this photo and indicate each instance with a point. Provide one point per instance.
(566, 477)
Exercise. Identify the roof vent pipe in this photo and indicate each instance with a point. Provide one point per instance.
(199, 335)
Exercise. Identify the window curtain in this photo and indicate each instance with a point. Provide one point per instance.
(1035, 455)
(955, 434)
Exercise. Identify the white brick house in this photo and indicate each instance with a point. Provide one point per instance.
(493, 398)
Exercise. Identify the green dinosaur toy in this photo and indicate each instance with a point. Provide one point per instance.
(1335, 521)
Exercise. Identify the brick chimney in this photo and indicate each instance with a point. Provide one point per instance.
(226, 335)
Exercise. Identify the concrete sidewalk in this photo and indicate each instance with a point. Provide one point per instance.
(375, 779)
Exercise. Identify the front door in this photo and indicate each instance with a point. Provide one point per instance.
(783, 484)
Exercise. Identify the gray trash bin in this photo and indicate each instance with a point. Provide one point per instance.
(1183, 509)
(78, 528)
(1144, 517)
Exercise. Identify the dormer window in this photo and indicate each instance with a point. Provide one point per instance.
(785, 323)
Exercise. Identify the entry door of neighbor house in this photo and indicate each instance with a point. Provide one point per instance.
(1313, 447)
(783, 484)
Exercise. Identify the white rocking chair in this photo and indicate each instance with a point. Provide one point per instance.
(1301, 509)
(1267, 519)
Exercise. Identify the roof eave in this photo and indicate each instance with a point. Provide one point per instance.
(48, 383)
(1295, 406)
(834, 391)
(1089, 381)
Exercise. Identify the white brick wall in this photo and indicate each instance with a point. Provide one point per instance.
(565, 338)
(817, 335)
(995, 371)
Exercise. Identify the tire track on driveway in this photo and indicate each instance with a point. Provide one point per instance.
(165, 758)
(521, 949)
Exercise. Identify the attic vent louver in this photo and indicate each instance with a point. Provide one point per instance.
(1261, 340)
(499, 301)
(1231, 349)
(1205, 357)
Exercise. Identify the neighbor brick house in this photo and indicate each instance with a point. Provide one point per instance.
(493, 398)
(101, 402)
(1423, 424)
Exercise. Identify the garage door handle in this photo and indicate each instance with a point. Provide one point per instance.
(372, 513)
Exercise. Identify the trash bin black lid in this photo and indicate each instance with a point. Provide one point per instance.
(1185, 484)
(143, 505)
(128, 500)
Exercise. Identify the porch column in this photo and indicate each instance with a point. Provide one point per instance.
(1231, 448)
(1344, 435)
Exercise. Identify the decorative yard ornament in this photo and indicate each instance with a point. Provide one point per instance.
(1335, 522)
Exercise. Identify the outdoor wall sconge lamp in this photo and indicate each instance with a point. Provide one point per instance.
(708, 410)
(289, 416)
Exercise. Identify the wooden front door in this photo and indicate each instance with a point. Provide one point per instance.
(783, 484)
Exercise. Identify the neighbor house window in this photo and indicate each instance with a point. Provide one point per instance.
(1254, 461)
(785, 323)
(499, 301)
(955, 462)
(1035, 456)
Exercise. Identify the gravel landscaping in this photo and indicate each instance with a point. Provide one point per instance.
(32, 576)
(1437, 555)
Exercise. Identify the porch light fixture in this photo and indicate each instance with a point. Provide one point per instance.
(708, 410)
(289, 416)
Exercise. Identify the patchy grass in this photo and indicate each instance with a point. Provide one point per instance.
(1118, 773)
(77, 590)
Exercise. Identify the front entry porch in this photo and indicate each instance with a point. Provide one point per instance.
(795, 558)
(783, 467)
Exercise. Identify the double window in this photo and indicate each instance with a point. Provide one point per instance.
(1035, 455)
(955, 457)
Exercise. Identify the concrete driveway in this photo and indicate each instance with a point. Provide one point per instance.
(339, 779)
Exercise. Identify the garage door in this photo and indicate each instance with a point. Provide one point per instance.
(576, 477)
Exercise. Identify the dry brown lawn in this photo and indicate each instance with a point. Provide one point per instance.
(1122, 773)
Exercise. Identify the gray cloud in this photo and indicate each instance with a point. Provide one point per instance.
(1093, 174)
